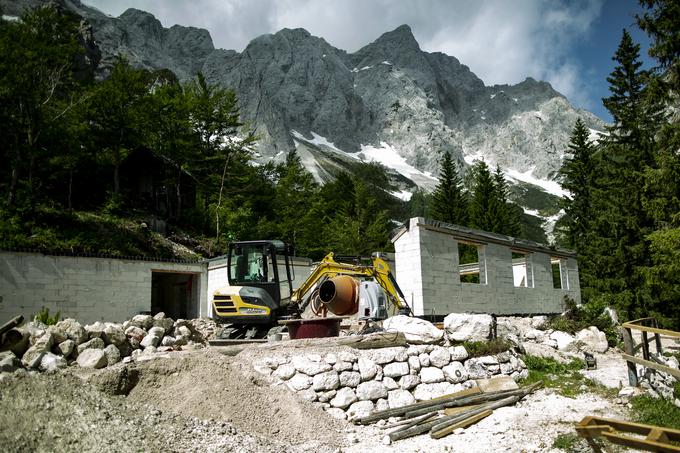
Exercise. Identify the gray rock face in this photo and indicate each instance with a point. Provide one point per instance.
(390, 91)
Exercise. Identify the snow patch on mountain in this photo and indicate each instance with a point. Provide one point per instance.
(403, 195)
(552, 187)
(388, 156)
(596, 135)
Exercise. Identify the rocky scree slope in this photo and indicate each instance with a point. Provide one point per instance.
(389, 101)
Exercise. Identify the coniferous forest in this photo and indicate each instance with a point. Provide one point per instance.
(100, 166)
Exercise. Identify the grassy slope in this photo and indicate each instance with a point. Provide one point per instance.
(88, 233)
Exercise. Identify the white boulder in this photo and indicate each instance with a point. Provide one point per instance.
(396, 369)
(371, 390)
(309, 366)
(350, 379)
(344, 398)
(299, 382)
(416, 330)
(593, 339)
(399, 398)
(565, 342)
(455, 372)
(367, 368)
(431, 375)
(360, 409)
(409, 381)
(440, 357)
(328, 380)
(92, 358)
(468, 327)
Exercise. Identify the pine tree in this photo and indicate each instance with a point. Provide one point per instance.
(295, 194)
(449, 202)
(617, 248)
(577, 178)
(507, 218)
(662, 181)
(483, 198)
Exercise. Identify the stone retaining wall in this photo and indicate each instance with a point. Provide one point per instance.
(353, 383)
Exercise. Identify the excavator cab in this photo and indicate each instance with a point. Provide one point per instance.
(260, 276)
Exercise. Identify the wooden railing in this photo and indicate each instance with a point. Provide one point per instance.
(645, 326)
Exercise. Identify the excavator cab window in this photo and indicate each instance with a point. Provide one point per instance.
(248, 265)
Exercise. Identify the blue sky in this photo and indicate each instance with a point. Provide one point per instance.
(595, 52)
(569, 43)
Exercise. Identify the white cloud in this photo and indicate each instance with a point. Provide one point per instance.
(501, 41)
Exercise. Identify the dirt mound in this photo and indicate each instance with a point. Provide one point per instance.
(59, 412)
(208, 385)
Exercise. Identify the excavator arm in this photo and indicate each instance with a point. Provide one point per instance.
(379, 271)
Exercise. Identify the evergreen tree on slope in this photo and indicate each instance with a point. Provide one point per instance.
(449, 202)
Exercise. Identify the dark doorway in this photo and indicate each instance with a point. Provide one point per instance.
(174, 294)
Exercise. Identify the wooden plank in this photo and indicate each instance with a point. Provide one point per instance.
(655, 366)
(668, 333)
(645, 346)
(400, 411)
(625, 426)
(235, 341)
(458, 410)
(462, 424)
(641, 444)
(629, 347)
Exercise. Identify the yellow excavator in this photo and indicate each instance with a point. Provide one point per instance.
(260, 290)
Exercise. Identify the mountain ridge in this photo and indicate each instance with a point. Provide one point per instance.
(389, 101)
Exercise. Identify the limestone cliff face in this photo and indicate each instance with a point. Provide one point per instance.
(300, 92)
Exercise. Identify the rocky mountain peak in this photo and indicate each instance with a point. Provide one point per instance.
(398, 46)
(388, 102)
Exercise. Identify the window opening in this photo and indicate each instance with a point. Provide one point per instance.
(471, 263)
(559, 273)
(522, 272)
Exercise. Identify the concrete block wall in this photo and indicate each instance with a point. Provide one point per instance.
(89, 289)
(428, 274)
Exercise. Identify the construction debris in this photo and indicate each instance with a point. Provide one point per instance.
(35, 345)
(431, 416)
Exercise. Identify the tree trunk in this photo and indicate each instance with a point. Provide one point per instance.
(116, 178)
(70, 190)
(178, 192)
(205, 212)
(219, 202)
(11, 195)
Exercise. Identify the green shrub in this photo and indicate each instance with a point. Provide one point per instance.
(579, 317)
(549, 365)
(566, 441)
(44, 317)
(563, 377)
(490, 347)
(656, 411)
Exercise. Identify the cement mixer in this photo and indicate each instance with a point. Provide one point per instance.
(346, 289)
